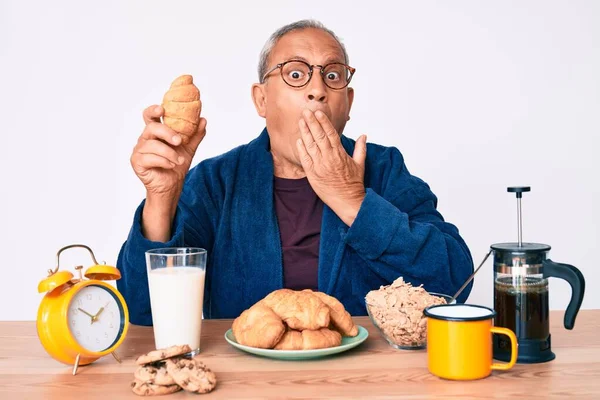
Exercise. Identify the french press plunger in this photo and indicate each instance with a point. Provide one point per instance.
(521, 294)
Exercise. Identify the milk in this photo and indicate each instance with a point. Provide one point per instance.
(176, 298)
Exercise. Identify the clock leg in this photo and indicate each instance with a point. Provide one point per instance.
(114, 354)
(76, 364)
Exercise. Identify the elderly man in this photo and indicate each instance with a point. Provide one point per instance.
(301, 206)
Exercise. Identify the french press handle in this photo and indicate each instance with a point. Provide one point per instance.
(575, 278)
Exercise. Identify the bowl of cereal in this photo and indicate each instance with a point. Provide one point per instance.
(396, 310)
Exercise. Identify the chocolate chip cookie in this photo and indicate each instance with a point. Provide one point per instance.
(162, 354)
(149, 389)
(154, 373)
(191, 374)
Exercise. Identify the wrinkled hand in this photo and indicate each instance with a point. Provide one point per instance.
(336, 178)
(160, 159)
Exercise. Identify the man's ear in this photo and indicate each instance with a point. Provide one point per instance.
(259, 97)
(350, 100)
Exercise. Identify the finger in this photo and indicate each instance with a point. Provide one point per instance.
(360, 151)
(156, 130)
(161, 149)
(316, 130)
(153, 114)
(198, 136)
(308, 140)
(305, 158)
(149, 161)
(330, 131)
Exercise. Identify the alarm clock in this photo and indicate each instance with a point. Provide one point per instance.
(80, 320)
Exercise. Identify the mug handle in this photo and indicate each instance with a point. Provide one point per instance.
(513, 348)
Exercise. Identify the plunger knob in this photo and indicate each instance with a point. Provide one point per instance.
(519, 190)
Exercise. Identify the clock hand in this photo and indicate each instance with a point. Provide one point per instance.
(95, 317)
(87, 313)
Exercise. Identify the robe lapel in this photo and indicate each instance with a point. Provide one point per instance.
(257, 223)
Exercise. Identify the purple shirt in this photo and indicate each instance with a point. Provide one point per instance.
(299, 211)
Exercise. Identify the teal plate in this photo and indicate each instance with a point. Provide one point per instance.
(347, 344)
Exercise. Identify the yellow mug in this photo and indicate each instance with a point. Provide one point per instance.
(459, 341)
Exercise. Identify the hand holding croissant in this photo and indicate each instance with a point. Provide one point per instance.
(164, 151)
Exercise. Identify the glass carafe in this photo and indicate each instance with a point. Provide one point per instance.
(521, 298)
(521, 272)
(521, 294)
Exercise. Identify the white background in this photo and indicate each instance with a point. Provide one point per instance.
(477, 95)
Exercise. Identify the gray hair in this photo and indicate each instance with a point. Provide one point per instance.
(278, 34)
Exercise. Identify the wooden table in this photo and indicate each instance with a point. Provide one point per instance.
(372, 370)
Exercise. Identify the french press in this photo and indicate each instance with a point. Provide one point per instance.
(521, 272)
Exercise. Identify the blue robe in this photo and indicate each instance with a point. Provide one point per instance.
(227, 208)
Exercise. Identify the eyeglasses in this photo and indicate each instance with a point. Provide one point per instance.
(298, 73)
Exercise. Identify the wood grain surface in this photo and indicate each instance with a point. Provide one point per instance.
(373, 370)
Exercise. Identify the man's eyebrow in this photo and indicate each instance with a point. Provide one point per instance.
(296, 58)
(330, 59)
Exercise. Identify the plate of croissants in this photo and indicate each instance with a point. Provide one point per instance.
(294, 325)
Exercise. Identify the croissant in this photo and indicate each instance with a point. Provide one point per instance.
(291, 340)
(299, 310)
(309, 339)
(340, 318)
(258, 326)
(182, 107)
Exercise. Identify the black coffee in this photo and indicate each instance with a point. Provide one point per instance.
(522, 308)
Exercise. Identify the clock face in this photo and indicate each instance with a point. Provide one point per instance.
(95, 318)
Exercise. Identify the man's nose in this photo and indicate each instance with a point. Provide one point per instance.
(316, 88)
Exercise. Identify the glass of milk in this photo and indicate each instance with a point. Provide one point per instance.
(176, 283)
